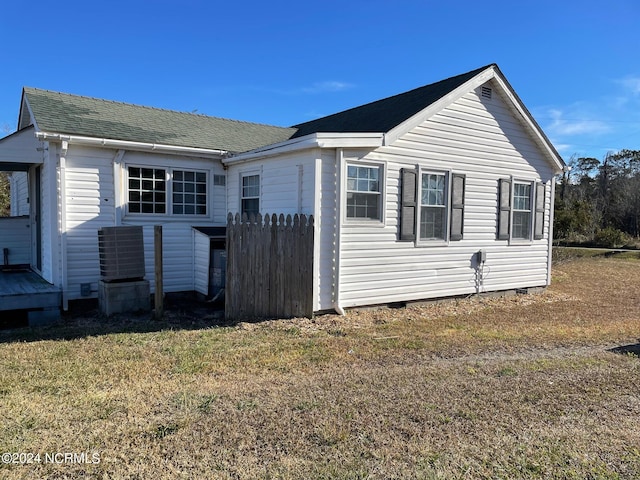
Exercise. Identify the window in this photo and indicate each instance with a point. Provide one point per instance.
(364, 192)
(189, 193)
(521, 211)
(438, 215)
(147, 190)
(517, 219)
(433, 208)
(167, 191)
(251, 194)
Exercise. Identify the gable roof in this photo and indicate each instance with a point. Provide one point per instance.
(373, 124)
(383, 115)
(62, 113)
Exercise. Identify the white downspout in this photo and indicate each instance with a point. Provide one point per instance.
(336, 242)
(117, 186)
(63, 223)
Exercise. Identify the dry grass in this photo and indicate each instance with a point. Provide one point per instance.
(518, 387)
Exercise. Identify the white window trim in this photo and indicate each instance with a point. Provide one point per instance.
(250, 173)
(532, 187)
(169, 215)
(425, 242)
(369, 222)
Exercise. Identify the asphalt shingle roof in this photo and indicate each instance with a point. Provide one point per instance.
(85, 116)
(383, 115)
(78, 115)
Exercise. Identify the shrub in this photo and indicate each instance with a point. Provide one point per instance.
(610, 238)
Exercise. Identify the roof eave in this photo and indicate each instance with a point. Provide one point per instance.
(130, 145)
(313, 140)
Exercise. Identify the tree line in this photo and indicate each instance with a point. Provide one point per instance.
(598, 202)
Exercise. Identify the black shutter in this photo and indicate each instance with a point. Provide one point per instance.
(538, 229)
(457, 206)
(408, 204)
(504, 208)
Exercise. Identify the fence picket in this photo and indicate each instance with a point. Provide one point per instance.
(269, 266)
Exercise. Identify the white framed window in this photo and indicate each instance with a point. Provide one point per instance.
(189, 192)
(431, 206)
(521, 222)
(147, 190)
(250, 194)
(167, 191)
(521, 210)
(364, 192)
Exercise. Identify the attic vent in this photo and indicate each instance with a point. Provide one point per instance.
(486, 92)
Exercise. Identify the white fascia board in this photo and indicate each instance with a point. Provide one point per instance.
(313, 140)
(438, 105)
(540, 138)
(128, 145)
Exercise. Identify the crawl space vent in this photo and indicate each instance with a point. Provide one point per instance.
(486, 92)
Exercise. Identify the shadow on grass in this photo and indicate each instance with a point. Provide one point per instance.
(85, 320)
(633, 349)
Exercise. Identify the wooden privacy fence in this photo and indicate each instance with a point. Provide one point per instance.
(269, 267)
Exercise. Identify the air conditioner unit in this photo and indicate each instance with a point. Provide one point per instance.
(121, 253)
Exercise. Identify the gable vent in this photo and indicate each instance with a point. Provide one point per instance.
(486, 92)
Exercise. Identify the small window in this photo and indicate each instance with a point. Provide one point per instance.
(364, 192)
(521, 228)
(147, 190)
(219, 180)
(251, 194)
(189, 192)
(433, 207)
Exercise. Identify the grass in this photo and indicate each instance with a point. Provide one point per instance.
(517, 387)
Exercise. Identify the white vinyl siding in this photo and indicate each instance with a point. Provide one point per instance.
(15, 236)
(92, 202)
(483, 141)
(19, 194)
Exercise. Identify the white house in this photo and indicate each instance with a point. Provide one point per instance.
(440, 191)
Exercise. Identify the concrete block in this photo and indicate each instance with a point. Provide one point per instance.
(46, 316)
(123, 297)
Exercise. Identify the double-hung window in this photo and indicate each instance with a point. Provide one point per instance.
(521, 210)
(521, 228)
(364, 192)
(250, 195)
(166, 191)
(431, 206)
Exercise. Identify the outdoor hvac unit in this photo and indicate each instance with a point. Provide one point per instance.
(121, 253)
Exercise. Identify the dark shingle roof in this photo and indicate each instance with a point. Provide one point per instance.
(77, 115)
(383, 115)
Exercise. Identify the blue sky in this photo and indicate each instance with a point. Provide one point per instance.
(574, 63)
